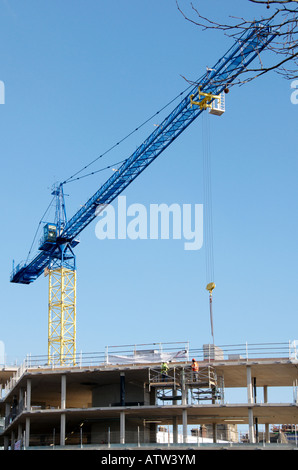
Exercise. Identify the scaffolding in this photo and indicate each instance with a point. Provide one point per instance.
(202, 385)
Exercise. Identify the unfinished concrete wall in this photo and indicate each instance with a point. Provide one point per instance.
(110, 395)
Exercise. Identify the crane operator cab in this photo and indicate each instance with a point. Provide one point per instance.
(49, 236)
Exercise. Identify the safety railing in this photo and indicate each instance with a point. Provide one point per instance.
(177, 352)
(205, 376)
(160, 377)
(246, 351)
(163, 437)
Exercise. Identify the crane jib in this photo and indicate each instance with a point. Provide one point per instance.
(226, 70)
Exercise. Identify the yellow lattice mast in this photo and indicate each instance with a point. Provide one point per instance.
(61, 271)
(62, 316)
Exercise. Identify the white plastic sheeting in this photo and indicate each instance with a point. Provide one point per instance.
(147, 357)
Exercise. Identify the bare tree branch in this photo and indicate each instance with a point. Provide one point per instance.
(284, 48)
(267, 2)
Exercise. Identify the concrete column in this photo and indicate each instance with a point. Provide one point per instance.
(184, 424)
(63, 406)
(152, 397)
(250, 401)
(13, 440)
(28, 395)
(63, 392)
(255, 389)
(122, 389)
(214, 429)
(122, 427)
(62, 429)
(249, 384)
(214, 426)
(255, 401)
(183, 389)
(6, 442)
(27, 432)
(265, 394)
(20, 431)
(251, 433)
(267, 433)
(7, 411)
(175, 430)
(21, 399)
(175, 422)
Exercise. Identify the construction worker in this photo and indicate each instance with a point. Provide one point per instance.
(195, 370)
(164, 371)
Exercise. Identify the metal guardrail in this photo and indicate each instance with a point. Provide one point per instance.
(110, 440)
(177, 352)
(247, 351)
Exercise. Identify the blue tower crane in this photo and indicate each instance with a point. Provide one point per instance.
(55, 255)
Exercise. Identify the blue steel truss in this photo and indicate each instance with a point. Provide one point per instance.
(214, 81)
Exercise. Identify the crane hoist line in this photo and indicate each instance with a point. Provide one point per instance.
(55, 255)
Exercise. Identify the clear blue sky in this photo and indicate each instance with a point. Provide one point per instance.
(78, 77)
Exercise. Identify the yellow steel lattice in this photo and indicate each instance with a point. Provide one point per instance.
(62, 316)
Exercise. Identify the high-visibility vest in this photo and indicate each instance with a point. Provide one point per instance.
(164, 367)
(195, 366)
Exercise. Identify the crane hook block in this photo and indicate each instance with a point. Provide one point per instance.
(210, 287)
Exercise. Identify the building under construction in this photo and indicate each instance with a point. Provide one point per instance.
(128, 399)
